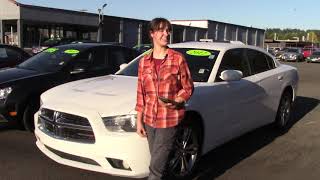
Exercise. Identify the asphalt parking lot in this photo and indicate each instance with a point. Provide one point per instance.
(262, 154)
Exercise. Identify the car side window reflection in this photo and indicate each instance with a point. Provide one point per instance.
(3, 54)
(14, 55)
(94, 58)
(270, 62)
(234, 60)
(116, 57)
(257, 61)
(98, 58)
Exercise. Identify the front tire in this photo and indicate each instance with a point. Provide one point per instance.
(28, 120)
(187, 150)
(284, 110)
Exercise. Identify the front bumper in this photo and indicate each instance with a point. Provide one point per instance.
(128, 147)
(4, 113)
(289, 59)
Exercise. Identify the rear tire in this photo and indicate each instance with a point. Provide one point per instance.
(284, 110)
(187, 149)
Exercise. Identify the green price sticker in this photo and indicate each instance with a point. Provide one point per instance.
(196, 52)
(71, 51)
(51, 50)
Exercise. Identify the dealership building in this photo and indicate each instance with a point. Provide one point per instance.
(28, 25)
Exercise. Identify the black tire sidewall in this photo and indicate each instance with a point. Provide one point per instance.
(285, 95)
(27, 119)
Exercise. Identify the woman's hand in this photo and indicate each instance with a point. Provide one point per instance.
(179, 100)
(140, 129)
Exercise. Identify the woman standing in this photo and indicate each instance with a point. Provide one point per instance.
(164, 85)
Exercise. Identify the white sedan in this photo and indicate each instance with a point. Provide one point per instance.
(90, 123)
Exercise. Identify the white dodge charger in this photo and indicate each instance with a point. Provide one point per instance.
(91, 123)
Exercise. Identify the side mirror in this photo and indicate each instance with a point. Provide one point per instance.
(124, 65)
(231, 75)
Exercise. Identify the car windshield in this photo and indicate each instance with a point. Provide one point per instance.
(50, 60)
(200, 62)
(293, 50)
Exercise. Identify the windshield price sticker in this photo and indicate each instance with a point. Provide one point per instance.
(71, 51)
(196, 52)
(51, 50)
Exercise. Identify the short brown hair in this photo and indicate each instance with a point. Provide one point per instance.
(159, 24)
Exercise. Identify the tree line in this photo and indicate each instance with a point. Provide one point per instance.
(293, 34)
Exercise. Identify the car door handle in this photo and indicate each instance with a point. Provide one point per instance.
(280, 78)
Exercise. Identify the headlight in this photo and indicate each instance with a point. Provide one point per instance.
(4, 92)
(124, 123)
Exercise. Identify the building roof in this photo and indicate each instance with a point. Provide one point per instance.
(67, 11)
(208, 20)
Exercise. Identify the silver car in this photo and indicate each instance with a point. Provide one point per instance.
(293, 54)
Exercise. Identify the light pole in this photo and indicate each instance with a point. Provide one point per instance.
(100, 25)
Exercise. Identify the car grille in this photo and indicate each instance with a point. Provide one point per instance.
(66, 126)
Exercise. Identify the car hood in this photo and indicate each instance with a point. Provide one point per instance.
(15, 74)
(108, 95)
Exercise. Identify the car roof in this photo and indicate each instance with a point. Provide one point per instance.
(220, 46)
(87, 45)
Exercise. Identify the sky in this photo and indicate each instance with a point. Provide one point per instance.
(300, 14)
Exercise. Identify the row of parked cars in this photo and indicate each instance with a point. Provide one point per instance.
(91, 123)
(294, 54)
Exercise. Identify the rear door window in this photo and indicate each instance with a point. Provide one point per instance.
(116, 57)
(270, 62)
(257, 61)
(14, 55)
(92, 59)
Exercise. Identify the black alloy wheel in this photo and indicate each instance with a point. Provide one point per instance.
(186, 152)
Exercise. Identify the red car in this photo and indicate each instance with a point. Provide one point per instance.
(308, 50)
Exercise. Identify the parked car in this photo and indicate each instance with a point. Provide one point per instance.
(11, 56)
(91, 124)
(293, 54)
(142, 47)
(275, 49)
(308, 50)
(279, 53)
(315, 57)
(272, 52)
(20, 87)
(55, 42)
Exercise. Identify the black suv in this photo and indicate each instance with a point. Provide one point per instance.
(21, 87)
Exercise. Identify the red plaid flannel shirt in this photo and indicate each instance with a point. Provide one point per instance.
(174, 80)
